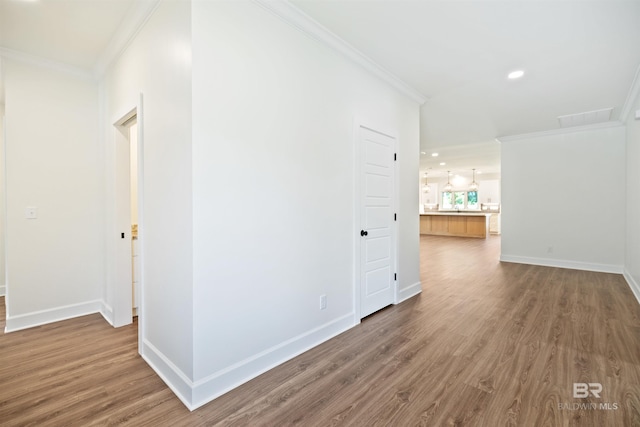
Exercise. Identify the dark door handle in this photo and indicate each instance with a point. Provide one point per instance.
(364, 233)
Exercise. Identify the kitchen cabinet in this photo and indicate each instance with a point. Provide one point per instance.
(463, 224)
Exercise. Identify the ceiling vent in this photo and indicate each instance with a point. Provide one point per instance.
(583, 119)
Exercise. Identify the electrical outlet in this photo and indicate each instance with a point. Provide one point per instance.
(549, 249)
(31, 213)
(323, 302)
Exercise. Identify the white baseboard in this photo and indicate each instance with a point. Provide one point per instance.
(3, 290)
(175, 379)
(215, 385)
(107, 312)
(38, 318)
(635, 287)
(574, 265)
(195, 394)
(408, 292)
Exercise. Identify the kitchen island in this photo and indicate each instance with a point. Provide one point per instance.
(455, 223)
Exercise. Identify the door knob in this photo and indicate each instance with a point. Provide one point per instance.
(363, 233)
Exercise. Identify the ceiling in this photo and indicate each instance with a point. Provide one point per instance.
(74, 32)
(578, 56)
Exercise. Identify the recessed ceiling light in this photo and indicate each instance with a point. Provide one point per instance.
(423, 152)
(516, 74)
(442, 163)
(434, 154)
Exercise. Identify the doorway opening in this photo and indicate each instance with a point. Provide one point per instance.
(126, 283)
(135, 265)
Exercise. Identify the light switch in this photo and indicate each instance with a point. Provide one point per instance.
(31, 213)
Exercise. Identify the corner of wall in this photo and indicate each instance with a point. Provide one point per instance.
(635, 286)
(407, 292)
(107, 312)
(172, 376)
(198, 393)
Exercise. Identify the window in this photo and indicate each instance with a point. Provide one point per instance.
(460, 200)
(447, 200)
(472, 200)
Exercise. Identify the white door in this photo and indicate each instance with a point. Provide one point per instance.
(377, 234)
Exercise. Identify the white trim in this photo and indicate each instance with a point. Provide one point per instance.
(124, 119)
(173, 377)
(37, 318)
(635, 286)
(4, 221)
(562, 131)
(574, 265)
(141, 253)
(107, 312)
(631, 97)
(3, 203)
(355, 220)
(195, 394)
(137, 15)
(46, 63)
(408, 292)
(312, 28)
(213, 386)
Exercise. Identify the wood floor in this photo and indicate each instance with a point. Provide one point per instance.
(485, 344)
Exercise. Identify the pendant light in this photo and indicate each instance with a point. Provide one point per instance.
(426, 187)
(474, 185)
(447, 188)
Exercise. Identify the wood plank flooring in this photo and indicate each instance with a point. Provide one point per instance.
(485, 344)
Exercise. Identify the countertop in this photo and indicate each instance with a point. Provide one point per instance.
(457, 213)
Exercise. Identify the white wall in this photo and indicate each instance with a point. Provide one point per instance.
(548, 215)
(3, 288)
(489, 191)
(273, 161)
(632, 256)
(158, 65)
(53, 161)
(260, 208)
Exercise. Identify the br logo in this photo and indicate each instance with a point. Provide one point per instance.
(582, 390)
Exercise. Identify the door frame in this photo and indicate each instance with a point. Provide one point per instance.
(121, 311)
(360, 123)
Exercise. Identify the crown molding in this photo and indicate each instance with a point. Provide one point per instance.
(137, 15)
(303, 22)
(562, 131)
(631, 97)
(45, 63)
